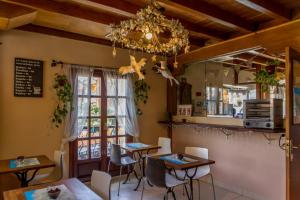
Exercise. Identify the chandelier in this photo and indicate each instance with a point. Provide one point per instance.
(150, 31)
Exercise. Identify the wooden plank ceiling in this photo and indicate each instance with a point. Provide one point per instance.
(208, 21)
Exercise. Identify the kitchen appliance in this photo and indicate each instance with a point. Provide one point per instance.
(263, 113)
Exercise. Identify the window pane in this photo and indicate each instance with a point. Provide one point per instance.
(83, 147)
(111, 106)
(109, 142)
(111, 131)
(95, 127)
(212, 107)
(96, 86)
(83, 85)
(121, 87)
(95, 148)
(122, 140)
(111, 87)
(83, 107)
(121, 125)
(83, 128)
(122, 107)
(95, 106)
(111, 121)
(214, 93)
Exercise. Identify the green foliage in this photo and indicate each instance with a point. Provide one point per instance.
(141, 89)
(273, 62)
(266, 80)
(65, 96)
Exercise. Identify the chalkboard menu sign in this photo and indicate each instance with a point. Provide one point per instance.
(28, 78)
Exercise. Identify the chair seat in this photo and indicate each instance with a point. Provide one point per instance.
(201, 171)
(171, 181)
(127, 161)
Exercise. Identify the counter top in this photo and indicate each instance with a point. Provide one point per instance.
(227, 126)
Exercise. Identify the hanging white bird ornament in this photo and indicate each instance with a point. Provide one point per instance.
(134, 67)
(165, 72)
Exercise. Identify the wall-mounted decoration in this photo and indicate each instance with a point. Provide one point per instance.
(28, 78)
(184, 110)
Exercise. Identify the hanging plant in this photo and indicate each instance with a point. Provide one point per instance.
(65, 96)
(141, 89)
(265, 79)
(268, 76)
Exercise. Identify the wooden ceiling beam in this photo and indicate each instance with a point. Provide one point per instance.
(12, 16)
(133, 8)
(71, 9)
(275, 39)
(267, 7)
(213, 13)
(64, 34)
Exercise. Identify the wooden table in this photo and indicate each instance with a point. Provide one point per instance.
(141, 158)
(81, 191)
(186, 166)
(21, 172)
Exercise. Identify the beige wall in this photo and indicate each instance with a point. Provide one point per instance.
(245, 162)
(25, 127)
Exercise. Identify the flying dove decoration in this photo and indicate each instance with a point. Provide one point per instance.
(134, 67)
(165, 72)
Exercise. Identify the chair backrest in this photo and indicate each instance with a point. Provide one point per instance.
(58, 171)
(156, 171)
(115, 154)
(198, 152)
(165, 144)
(101, 184)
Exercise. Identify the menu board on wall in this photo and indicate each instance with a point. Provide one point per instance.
(28, 78)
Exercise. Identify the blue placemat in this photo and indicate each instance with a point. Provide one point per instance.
(29, 195)
(12, 164)
(137, 145)
(174, 160)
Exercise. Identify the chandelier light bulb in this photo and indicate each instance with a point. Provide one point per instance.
(149, 36)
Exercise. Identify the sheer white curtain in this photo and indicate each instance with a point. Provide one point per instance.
(120, 87)
(76, 121)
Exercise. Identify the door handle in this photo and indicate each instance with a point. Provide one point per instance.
(296, 147)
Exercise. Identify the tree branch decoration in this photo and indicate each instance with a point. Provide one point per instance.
(64, 94)
(141, 89)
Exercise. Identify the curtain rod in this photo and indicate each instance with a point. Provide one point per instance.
(58, 62)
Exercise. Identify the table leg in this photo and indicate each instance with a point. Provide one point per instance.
(191, 177)
(192, 189)
(22, 176)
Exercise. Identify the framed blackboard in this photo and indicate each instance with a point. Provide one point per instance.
(28, 80)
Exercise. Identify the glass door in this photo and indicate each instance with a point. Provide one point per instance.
(101, 122)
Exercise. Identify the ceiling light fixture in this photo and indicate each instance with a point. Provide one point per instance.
(150, 31)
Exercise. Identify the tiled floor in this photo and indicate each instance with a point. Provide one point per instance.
(152, 193)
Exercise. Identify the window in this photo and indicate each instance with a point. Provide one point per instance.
(214, 99)
(116, 111)
(101, 115)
